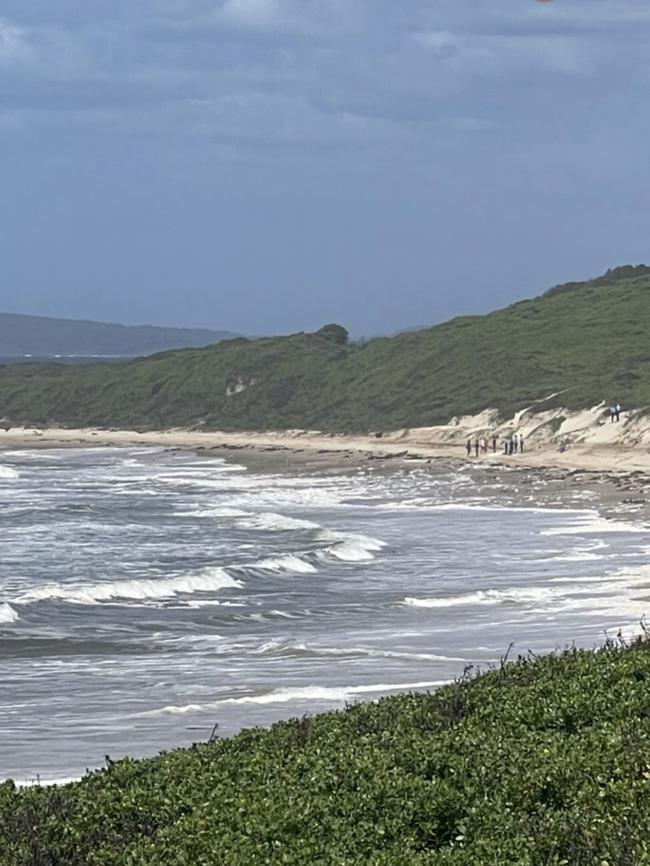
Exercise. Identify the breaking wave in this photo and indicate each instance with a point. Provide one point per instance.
(271, 522)
(9, 472)
(297, 695)
(350, 548)
(208, 580)
(301, 649)
(595, 524)
(214, 511)
(486, 597)
(7, 614)
(343, 546)
(290, 562)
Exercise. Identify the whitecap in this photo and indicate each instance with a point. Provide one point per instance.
(350, 547)
(291, 562)
(595, 524)
(214, 511)
(301, 694)
(272, 522)
(172, 710)
(9, 472)
(579, 556)
(207, 580)
(298, 695)
(46, 783)
(7, 614)
(516, 595)
(274, 647)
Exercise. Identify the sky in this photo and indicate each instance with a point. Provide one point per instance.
(268, 166)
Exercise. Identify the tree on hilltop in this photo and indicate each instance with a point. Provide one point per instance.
(334, 333)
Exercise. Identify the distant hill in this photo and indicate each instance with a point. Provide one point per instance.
(584, 345)
(38, 336)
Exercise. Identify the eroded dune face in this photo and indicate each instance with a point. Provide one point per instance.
(546, 428)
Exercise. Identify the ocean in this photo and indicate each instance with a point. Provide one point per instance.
(62, 359)
(148, 595)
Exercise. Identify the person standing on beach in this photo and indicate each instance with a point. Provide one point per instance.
(505, 447)
(469, 447)
(617, 409)
(476, 447)
(494, 444)
(612, 413)
(521, 443)
(515, 443)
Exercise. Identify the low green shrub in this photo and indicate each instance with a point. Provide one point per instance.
(542, 762)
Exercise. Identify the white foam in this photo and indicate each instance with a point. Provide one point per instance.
(480, 597)
(495, 506)
(325, 693)
(349, 547)
(215, 511)
(369, 652)
(172, 710)
(208, 602)
(579, 556)
(9, 472)
(605, 578)
(208, 580)
(7, 613)
(533, 595)
(290, 562)
(595, 525)
(272, 522)
(46, 783)
(295, 695)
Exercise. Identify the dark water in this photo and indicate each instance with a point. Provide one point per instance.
(146, 595)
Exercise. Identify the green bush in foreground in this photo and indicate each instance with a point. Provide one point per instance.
(545, 761)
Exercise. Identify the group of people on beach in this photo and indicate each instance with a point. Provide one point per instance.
(511, 445)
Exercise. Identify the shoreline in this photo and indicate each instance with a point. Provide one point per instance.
(312, 452)
(303, 447)
(621, 473)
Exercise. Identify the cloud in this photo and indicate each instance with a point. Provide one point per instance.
(294, 71)
(14, 45)
(252, 13)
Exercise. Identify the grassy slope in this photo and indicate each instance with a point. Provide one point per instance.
(544, 762)
(590, 341)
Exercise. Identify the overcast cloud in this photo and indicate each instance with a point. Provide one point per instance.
(270, 165)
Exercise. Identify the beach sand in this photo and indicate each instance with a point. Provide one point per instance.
(596, 449)
(590, 453)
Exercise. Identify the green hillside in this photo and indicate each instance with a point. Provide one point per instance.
(543, 762)
(588, 341)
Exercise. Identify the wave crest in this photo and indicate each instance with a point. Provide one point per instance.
(208, 580)
(7, 614)
(514, 595)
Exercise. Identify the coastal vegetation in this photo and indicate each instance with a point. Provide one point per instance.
(543, 761)
(582, 343)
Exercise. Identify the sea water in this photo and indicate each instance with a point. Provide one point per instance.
(146, 596)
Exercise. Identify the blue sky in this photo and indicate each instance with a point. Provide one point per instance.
(271, 165)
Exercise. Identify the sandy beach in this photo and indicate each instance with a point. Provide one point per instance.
(591, 445)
